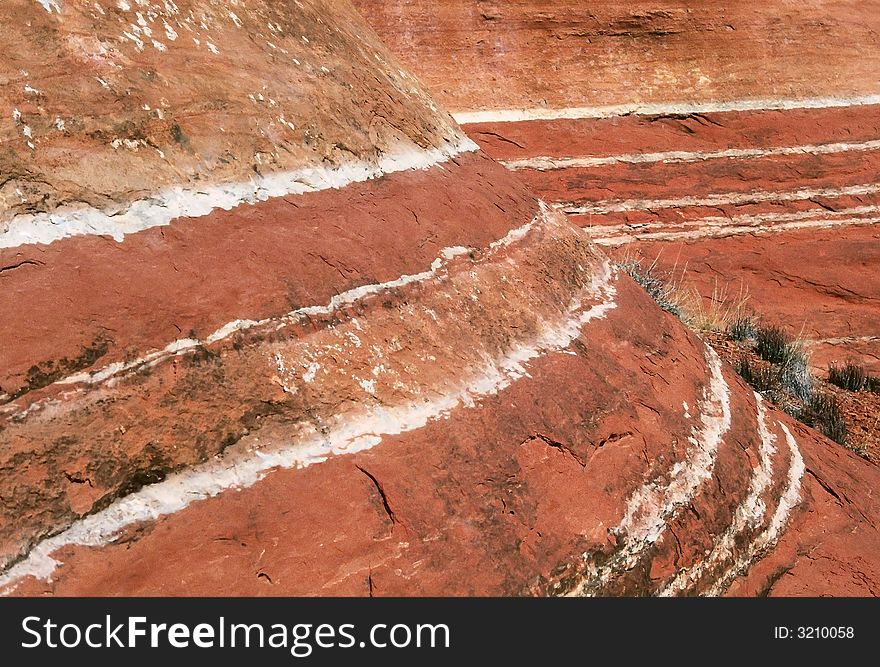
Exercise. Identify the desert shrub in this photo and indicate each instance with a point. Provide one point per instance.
(850, 376)
(822, 412)
(795, 376)
(743, 328)
(656, 285)
(772, 344)
(762, 378)
(715, 313)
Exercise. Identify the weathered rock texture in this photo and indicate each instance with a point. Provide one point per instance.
(479, 54)
(780, 207)
(397, 373)
(776, 197)
(107, 102)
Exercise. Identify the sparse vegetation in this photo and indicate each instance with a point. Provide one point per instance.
(762, 378)
(742, 328)
(823, 413)
(795, 375)
(849, 376)
(719, 313)
(659, 287)
(772, 345)
(769, 359)
(714, 314)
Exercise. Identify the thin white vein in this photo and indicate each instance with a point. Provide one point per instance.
(767, 539)
(735, 230)
(744, 220)
(658, 108)
(187, 202)
(672, 157)
(748, 514)
(715, 199)
(651, 506)
(187, 345)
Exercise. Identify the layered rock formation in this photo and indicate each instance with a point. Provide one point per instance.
(553, 54)
(371, 364)
(733, 140)
(735, 201)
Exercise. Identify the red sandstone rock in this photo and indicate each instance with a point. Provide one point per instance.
(830, 301)
(422, 383)
(671, 63)
(566, 53)
(106, 104)
(736, 213)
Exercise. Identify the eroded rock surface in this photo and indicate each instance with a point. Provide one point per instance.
(738, 142)
(398, 374)
(477, 55)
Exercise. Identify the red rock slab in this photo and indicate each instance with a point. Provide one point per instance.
(567, 53)
(515, 489)
(520, 491)
(825, 550)
(638, 134)
(84, 302)
(690, 534)
(502, 498)
(374, 359)
(670, 181)
(816, 283)
(780, 207)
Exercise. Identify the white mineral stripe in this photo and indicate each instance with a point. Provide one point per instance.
(188, 202)
(715, 199)
(586, 162)
(748, 514)
(658, 109)
(351, 434)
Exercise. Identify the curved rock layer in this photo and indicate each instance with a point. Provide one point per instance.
(108, 102)
(731, 139)
(396, 372)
